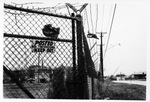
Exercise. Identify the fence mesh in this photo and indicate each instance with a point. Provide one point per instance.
(44, 71)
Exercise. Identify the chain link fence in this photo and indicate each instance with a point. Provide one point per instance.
(43, 63)
(36, 66)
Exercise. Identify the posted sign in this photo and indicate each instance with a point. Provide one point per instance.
(43, 46)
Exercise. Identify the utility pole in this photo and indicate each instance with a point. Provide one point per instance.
(38, 65)
(101, 57)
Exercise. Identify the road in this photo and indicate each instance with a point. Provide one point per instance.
(138, 82)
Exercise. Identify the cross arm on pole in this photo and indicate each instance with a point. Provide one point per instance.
(74, 9)
(81, 9)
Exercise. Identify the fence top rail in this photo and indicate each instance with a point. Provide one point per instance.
(34, 37)
(6, 6)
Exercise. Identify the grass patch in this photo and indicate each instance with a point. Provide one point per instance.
(122, 91)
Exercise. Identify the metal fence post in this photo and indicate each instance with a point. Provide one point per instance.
(74, 57)
(80, 70)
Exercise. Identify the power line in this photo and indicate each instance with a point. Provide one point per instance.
(87, 25)
(96, 26)
(91, 18)
(93, 45)
(87, 19)
(94, 42)
(27, 3)
(109, 16)
(96, 17)
(110, 28)
(102, 17)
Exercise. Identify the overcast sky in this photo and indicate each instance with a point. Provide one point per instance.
(129, 29)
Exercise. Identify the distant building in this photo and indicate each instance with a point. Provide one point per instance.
(39, 73)
(120, 77)
(20, 75)
(139, 75)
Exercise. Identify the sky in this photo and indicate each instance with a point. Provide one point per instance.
(129, 30)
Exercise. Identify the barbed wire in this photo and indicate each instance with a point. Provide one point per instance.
(31, 8)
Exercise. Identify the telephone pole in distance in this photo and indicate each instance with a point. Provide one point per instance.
(101, 70)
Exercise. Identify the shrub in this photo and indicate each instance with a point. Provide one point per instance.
(61, 83)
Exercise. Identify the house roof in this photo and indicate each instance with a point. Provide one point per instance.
(139, 73)
(120, 75)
